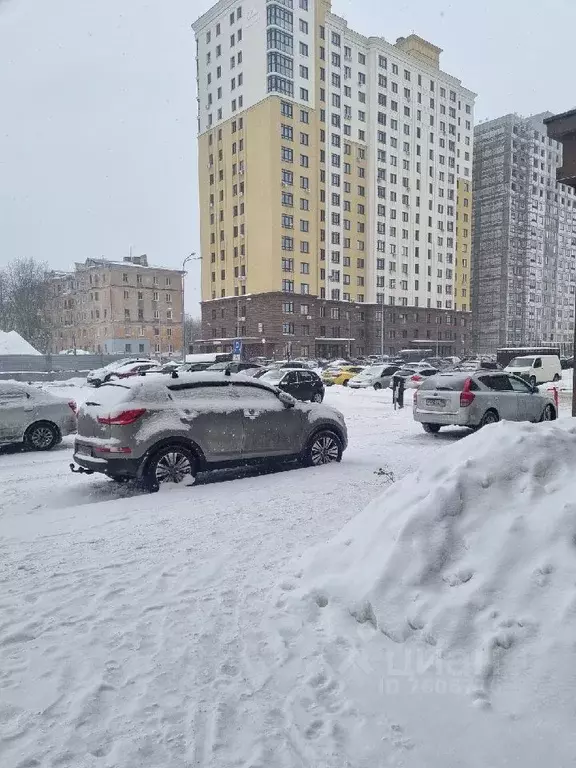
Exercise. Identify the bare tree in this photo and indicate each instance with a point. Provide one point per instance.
(24, 296)
(193, 330)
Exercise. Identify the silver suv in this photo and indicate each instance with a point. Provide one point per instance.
(479, 398)
(162, 429)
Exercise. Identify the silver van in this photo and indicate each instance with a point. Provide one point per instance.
(162, 429)
(479, 398)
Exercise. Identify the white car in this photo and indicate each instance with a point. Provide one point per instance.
(101, 375)
(536, 369)
(414, 374)
(34, 417)
(377, 376)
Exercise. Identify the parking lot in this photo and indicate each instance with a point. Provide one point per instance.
(105, 589)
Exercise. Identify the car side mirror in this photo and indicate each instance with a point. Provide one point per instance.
(286, 399)
(535, 390)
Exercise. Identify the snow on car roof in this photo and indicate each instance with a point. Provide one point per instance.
(154, 382)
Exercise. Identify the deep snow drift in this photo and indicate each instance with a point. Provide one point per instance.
(12, 343)
(450, 602)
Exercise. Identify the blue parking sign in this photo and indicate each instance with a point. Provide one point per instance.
(237, 348)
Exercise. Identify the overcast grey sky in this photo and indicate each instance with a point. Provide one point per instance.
(97, 109)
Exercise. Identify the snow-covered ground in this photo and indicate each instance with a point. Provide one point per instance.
(181, 629)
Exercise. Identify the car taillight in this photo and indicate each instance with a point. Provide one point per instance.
(123, 418)
(74, 407)
(112, 449)
(466, 396)
(416, 377)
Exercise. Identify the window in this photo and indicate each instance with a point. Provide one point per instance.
(287, 154)
(279, 40)
(286, 108)
(304, 5)
(287, 243)
(303, 49)
(280, 85)
(304, 116)
(304, 94)
(279, 63)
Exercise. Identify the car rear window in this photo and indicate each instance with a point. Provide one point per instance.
(109, 395)
(444, 383)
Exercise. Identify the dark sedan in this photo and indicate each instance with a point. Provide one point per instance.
(301, 383)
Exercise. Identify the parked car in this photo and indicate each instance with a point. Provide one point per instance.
(131, 369)
(302, 384)
(536, 369)
(566, 363)
(193, 367)
(474, 400)
(100, 375)
(236, 366)
(34, 417)
(415, 374)
(341, 375)
(164, 430)
(165, 368)
(376, 376)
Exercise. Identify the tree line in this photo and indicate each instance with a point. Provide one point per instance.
(24, 301)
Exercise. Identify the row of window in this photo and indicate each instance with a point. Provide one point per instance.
(234, 38)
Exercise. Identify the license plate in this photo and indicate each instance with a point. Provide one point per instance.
(434, 401)
(84, 450)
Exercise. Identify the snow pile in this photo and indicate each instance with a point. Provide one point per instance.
(12, 343)
(456, 591)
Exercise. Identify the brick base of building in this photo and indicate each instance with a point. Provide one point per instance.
(281, 325)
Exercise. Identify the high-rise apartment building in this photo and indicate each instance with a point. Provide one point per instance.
(117, 307)
(335, 174)
(524, 241)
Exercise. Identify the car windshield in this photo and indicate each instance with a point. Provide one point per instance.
(373, 370)
(273, 376)
(521, 362)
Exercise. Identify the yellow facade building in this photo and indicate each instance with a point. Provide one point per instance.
(335, 176)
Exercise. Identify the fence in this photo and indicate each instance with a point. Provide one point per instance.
(49, 367)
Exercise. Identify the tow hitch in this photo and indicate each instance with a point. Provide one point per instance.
(80, 470)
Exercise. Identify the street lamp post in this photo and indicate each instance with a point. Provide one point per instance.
(191, 257)
(382, 328)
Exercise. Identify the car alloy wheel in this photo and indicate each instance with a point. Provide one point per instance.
(549, 414)
(324, 449)
(377, 385)
(42, 437)
(173, 466)
(317, 398)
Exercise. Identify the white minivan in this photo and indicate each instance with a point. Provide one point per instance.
(537, 369)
